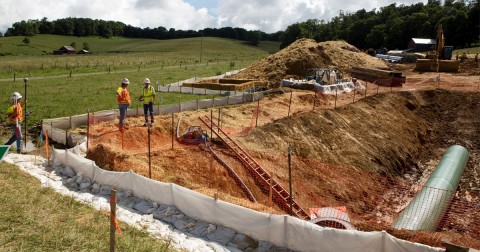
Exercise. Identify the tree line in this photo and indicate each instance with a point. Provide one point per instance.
(393, 26)
(83, 27)
(390, 27)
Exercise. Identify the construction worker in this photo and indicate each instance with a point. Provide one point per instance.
(14, 119)
(148, 98)
(124, 101)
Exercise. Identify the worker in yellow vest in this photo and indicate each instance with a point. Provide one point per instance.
(14, 119)
(148, 98)
(124, 101)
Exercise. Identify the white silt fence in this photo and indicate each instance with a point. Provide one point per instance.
(59, 128)
(281, 230)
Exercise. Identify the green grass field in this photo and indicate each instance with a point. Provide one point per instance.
(35, 218)
(66, 85)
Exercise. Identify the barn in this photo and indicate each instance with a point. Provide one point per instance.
(65, 50)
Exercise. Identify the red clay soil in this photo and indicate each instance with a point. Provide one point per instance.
(367, 151)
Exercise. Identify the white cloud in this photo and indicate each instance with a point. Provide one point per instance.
(267, 16)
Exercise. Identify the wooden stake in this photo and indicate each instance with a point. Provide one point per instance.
(336, 94)
(173, 130)
(149, 156)
(366, 88)
(88, 128)
(258, 112)
(122, 130)
(46, 148)
(113, 211)
(290, 103)
(270, 196)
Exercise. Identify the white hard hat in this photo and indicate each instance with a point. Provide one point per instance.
(147, 80)
(15, 96)
(125, 81)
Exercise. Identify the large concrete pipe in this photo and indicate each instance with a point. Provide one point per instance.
(427, 209)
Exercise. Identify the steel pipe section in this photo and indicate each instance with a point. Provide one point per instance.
(427, 209)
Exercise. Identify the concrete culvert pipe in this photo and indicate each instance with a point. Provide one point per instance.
(427, 209)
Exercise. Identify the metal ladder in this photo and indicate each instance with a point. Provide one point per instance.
(279, 194)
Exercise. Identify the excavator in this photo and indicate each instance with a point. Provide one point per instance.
(438, 60)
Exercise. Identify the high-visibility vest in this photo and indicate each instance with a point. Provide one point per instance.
(124, 97)
(148, 94)
(15, 112)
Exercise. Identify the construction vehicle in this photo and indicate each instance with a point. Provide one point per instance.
(438, 60)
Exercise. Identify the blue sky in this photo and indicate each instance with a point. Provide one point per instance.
(268, 16)
(209, 4)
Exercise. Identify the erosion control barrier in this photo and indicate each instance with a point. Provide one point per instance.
(60, 128)
(281, 230)
(428, 208)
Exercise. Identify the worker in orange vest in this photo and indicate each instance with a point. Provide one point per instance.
(14, 119)
(124, 101)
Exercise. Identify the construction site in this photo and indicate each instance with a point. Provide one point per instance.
(350, 160)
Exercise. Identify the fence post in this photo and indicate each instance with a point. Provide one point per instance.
(197, 104)
(366, 88)
(290, 179)
(336, 94)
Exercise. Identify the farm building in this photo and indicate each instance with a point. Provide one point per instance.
(421, 44)
(65, 50)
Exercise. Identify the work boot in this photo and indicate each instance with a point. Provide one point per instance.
(19, 151)
(145, 124)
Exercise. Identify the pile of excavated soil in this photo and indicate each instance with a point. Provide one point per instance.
(292, 61)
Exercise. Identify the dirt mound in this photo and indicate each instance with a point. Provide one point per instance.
(292, 61)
